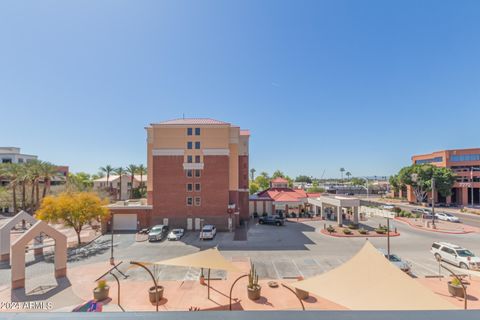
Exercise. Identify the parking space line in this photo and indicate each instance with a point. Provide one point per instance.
(276, 271)
(298, 269)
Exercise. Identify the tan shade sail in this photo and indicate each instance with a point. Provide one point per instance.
(368, 281)
(207, 259)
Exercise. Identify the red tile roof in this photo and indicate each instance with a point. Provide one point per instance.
(285, 194)
(194, 121)
(280, 180)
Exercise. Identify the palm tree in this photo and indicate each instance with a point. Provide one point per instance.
(252, 173)
(33, 173)
(108, 169)
(47, 172)
(342, 170)
(141, 170)
(132, 170)
(348, 174)
(11, 171)
(120, 172)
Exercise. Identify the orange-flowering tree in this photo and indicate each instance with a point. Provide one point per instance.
(74, 209)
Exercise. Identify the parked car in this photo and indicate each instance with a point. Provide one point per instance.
(208, 232)
(397, 261)
(445, 216)
(275, 220)
(157, 232)
(388, 207)
(456, 255)
(175, 234)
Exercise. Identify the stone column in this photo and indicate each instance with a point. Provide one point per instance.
(355, 215)
(339, 216)
(464, 196)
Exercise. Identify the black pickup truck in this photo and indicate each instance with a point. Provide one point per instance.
(275, 220)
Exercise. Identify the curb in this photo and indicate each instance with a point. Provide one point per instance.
(370, 235)
(432, 230)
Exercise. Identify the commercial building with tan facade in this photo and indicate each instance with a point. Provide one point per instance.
(197, 174)
(466, 165)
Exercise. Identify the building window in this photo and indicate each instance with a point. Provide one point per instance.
(189, 131)
(197, 145)
(197, 187)
(189, 145)
(436, 159)
(189, 201)
(189, 159)
(198, 201)
(189, 173)
(20, 160)
(465, 157)
(189, 187)
(6, 160)
(197, 159)
(197, 131)
(197, 173)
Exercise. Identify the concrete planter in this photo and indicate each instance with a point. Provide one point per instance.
(100, 294)
(154, 294)
(254, 293)
(456, 291)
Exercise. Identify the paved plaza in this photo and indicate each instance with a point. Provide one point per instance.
(279, 253)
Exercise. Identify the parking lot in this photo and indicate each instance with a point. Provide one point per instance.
(296, 249)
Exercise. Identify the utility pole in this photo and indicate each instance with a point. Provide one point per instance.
(433, 202)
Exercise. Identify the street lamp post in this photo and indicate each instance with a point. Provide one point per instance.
(112, 260)
(433, 202)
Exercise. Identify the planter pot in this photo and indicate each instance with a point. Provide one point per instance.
(254, 293)
(101, 294)
(152, 294)
(456, 291)
(202, 280)
(301, 294)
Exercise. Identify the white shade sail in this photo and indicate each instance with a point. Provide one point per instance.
(368, 281)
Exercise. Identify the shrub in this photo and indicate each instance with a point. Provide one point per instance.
(380, 231)
(293, 215)
(353, 226)
(347, 231)
(101, 284)
(330, 229)
(363, 231)
(396, 210)
(455, 282)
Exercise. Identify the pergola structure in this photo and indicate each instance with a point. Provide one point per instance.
(368, 281)
(40, 228)
(5, 230)
(320, 204)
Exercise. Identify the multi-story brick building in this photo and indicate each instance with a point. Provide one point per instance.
(198, 173)
(466, 165)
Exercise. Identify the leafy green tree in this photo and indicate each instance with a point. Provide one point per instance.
(253, 187)
(80, 181)
(357, 182)
(278, 174)
(315, 188)
(265, 175)
(419, 178)
(303, 178)
(395, 183)
(262, 182)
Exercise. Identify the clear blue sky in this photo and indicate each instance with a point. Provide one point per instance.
(320, 84)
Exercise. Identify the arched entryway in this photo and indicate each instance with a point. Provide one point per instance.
(18, 252)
